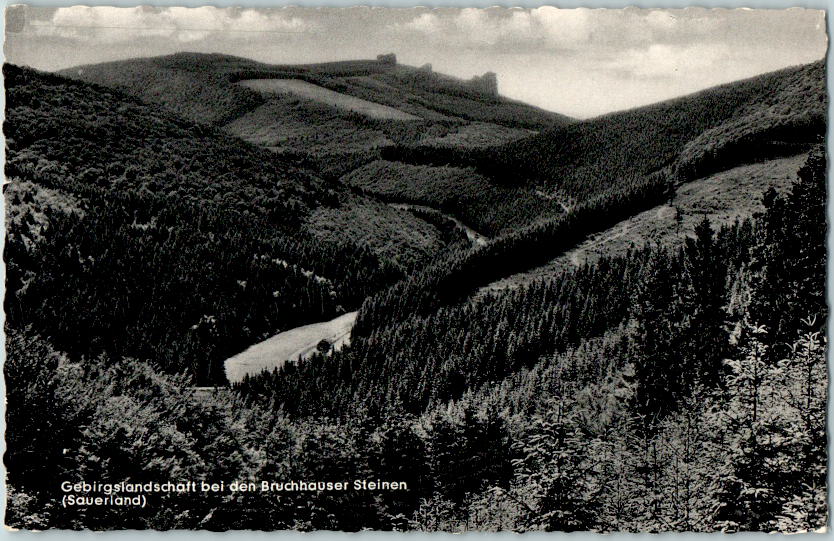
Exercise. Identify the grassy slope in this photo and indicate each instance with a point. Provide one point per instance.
(319, 94)
(288, 346)
(723, 198)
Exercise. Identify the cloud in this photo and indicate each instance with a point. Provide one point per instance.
(557, 29)
(563, 27)
(663, 61)
(663, 20)
(554, 29)
(582, 62)
(116, 25)
(544, 26)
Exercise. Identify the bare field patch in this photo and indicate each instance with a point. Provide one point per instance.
(290, 345)
(317, 93)
(723, 198)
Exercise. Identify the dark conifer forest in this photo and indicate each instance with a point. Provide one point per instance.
(675, 387)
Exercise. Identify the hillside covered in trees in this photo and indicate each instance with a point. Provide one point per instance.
(171, 81)
(505, 168)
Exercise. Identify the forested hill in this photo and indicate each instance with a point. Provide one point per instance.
(79, 136)
(669, 314)
(203, 87)
(136, 233)
(749, 120)
(564, 167)
(657, 389)
(567, 442)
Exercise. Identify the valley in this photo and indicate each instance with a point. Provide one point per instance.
(723, 198)
(432, 203)
(339, 119)
(474, 237)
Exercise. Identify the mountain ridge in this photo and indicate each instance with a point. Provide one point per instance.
(211, 70)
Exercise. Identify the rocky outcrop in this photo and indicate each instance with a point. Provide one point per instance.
(486, 83)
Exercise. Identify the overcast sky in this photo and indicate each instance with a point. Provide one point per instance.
(579, 62)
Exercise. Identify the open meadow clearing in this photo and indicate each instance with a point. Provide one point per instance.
(289, 346)
(323, 95)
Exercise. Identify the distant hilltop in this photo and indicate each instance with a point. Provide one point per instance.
(486, 83)
(212, 88)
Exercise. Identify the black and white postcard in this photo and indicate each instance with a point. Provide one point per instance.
(415, 269)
